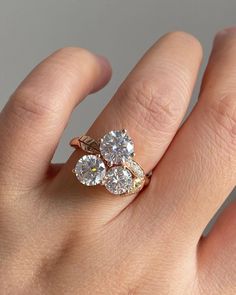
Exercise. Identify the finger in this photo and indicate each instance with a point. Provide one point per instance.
(217, 255)
(198, 171)
(152, 101)
(33, 120)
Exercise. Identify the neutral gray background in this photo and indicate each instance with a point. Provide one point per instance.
(121, 30)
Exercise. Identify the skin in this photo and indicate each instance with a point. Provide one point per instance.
(60, 237)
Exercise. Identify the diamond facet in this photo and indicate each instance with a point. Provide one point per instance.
(135, 168)
(90, 170)
(118, 180)
(116, 147)
(137, 185)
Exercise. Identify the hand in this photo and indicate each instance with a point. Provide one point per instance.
(60, 237)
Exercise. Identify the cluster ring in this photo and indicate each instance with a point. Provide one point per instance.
(109, 162)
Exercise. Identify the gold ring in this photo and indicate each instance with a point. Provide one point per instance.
(110, 162)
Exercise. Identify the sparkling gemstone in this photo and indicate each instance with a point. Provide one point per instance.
(135, 168)
(118, 180)
(117, 147)
(90, 170)
(137, 185)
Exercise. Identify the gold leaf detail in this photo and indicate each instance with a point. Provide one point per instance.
(86, 143)
(137, 185)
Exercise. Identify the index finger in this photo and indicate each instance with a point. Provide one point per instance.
(34, 118)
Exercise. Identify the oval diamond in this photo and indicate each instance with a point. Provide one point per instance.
(90, 170)
(117, 147)
(118, 180)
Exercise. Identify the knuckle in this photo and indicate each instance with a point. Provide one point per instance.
(222, 113)
(75, 52)
(152, 105)
(71, 50)
(34, 99)
(72, 60)
(28, 106)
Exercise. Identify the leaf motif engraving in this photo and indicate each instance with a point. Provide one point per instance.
(138, 184)
(86, 143)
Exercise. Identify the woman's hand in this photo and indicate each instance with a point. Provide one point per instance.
(60, 237)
